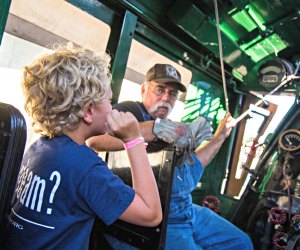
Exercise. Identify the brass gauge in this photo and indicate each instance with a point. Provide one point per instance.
(289, 140)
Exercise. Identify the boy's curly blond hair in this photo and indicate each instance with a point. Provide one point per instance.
(58, 85)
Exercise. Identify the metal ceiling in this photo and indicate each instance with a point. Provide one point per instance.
(253, 32)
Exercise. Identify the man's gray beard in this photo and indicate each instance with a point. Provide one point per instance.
(154, 108)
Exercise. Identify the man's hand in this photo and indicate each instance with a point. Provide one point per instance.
(207, 152)
(174, 132)
(201, 130)
(225, 127)
(185, 137)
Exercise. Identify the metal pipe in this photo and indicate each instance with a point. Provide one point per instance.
(221, 56)
(288, 78)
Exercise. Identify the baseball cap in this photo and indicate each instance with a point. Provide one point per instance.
(165, 73)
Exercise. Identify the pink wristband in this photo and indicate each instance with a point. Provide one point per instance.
(132, 143)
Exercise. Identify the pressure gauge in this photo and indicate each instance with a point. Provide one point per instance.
(272, 73)
(289, 140)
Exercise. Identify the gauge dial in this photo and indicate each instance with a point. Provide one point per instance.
(272, 73)
(289, 140)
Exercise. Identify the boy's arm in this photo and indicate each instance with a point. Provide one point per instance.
(205, 153)
(109, 143)
(145, 209)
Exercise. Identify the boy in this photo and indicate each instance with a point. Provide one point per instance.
(63, 185)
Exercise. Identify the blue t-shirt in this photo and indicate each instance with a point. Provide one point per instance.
(61, 188)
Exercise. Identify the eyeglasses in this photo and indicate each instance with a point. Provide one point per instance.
(160, 91)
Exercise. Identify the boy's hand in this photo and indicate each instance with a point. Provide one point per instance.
(123, 126)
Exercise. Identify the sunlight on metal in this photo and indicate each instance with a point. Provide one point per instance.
(243, 19)
(200, 102)
(263, 48)
(256, 17)
(237, 75)
(249, 44)
(232, 11)
(229, 32)
(257, 49)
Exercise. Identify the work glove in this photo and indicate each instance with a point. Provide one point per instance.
(173, 132)
(201, 130)
(185, 137)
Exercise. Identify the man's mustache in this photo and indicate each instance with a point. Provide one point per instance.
(161, 104)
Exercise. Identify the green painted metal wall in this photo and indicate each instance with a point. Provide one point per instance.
(4, 10)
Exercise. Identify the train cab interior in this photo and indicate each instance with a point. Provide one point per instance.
(241, 57)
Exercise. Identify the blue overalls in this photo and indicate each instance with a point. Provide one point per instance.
(191, 226)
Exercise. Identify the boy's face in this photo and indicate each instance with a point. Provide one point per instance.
(102, 110)
(159, 98)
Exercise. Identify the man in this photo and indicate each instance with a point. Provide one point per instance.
(190, 226)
